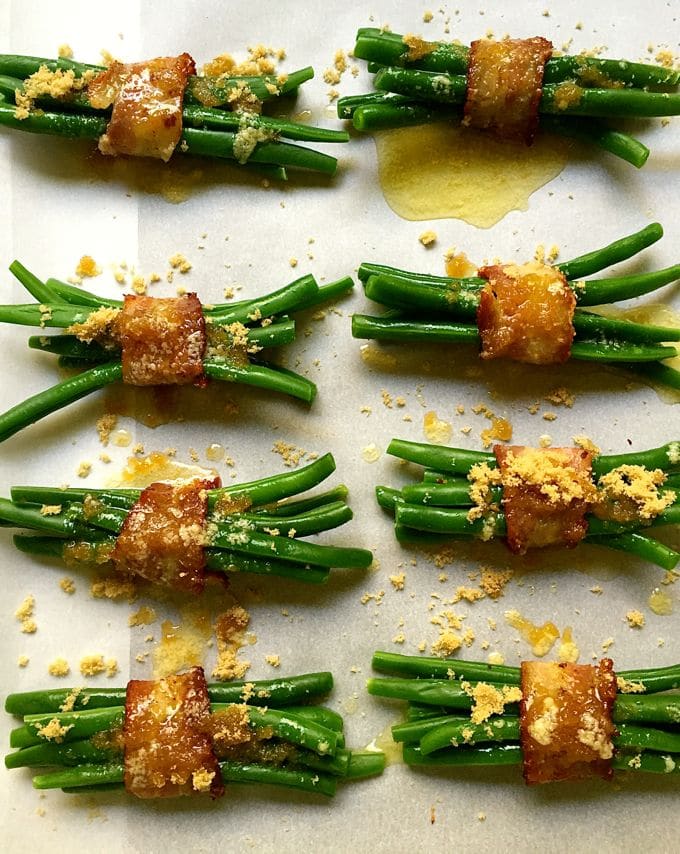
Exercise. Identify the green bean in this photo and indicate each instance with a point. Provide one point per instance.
(445, 735)
(260, 376)
(503, 754)
(613, 253)
(450, 460)
(232, 562)
(641, 546)
(46, 402)
(72, 753)
(365, 763)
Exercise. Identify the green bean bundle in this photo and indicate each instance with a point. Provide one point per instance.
(213, 122)
(440, 695)
(439, 309)
(236, 333)
(297, 744)
(439, 508)
(251, 528)
(420, 82)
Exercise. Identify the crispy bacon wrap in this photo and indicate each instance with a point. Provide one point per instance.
(163, 341)
(163, 537)
(546, 494)
(566, 727)
(504, 85)
(525, 313)
(147, 97)
(168, 748)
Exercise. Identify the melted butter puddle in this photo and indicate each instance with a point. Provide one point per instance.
(142, 471)
(439, 170)
(385, 742)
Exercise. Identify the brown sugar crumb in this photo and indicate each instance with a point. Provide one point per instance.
(273, 660)
(84, 469)
(427, 16)
(179, 262)
(386, 398)
(549, 416)
(636, 619)
(561, 397)
(68, 585)
(428, 238)
(53, 731)
(597, 590)
(24, 613)
(494, 580)
(50, 510)
(635, 491)
(469, 594)
(142, 617)
(112, 587)
(59, 667)
(230, 629)
(289, 453)
(23, 660)
(625, 686)
(489, 700)
(398, 581)
(93, 665)
(87, 268)
(65, 51)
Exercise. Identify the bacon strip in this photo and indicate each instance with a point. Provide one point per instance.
(546, 494)
(566, 727)
(504, 85)
(146, 119)
(525, 313)
(168, 750)
(163, 340)
(162, 538)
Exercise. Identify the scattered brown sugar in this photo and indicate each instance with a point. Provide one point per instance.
(290, 454)
(54, 84)
(59, 667)
(636, 619)
(561, 397)
(84, 469)
(93, 665)
(87, 268)
(428, 238)
(24, 613)
(144, 616)
(628, 492)
(273, 660)
(65, 51)
(50, 510)
(398, 581)
(179, 262)
(23, 660)
(493, 581)
(53, 731)
(113, 587)
(68, 585)
(230, 629)
(489, 700)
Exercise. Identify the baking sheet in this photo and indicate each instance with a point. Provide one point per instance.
(59, 204)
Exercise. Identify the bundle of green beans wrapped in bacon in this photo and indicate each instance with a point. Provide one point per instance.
(439, 508)
(420, 82)
(290, 740)
(439, 309)
(439, 731)
(264, 320)
(210, 115)
(249, 526)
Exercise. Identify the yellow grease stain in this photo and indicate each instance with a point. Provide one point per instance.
(440, 170)
(388, 745)
(660, 602)
(540, 638)
(141, 471)
(183, 642)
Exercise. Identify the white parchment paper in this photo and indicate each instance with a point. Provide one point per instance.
(58, 204)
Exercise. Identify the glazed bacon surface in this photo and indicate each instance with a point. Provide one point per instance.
(546, 493)
(565, 720)
(525, 313)
(146, 120)
(162, 537)
(504, 84)
(163, 340)
(168, 749)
